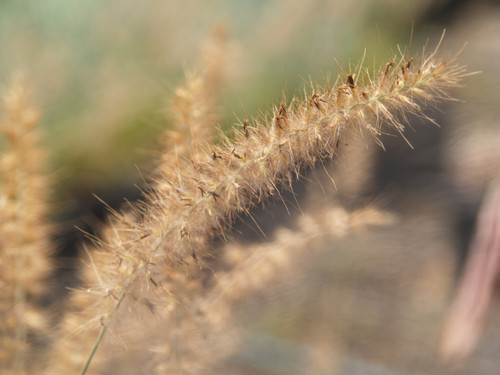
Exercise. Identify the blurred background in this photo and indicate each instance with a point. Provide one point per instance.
(103, 75)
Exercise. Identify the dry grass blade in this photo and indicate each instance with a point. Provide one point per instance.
(468, 310)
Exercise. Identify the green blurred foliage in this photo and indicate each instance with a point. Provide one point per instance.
(102, 72)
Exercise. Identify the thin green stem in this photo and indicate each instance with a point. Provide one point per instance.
(105, 326)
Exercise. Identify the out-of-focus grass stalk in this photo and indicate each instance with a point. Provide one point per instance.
(24, 232)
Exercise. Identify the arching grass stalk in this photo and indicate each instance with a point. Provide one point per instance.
(158, 252)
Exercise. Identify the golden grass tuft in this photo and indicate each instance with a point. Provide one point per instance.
(155, 263)
(24, 232)
(157, 256)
